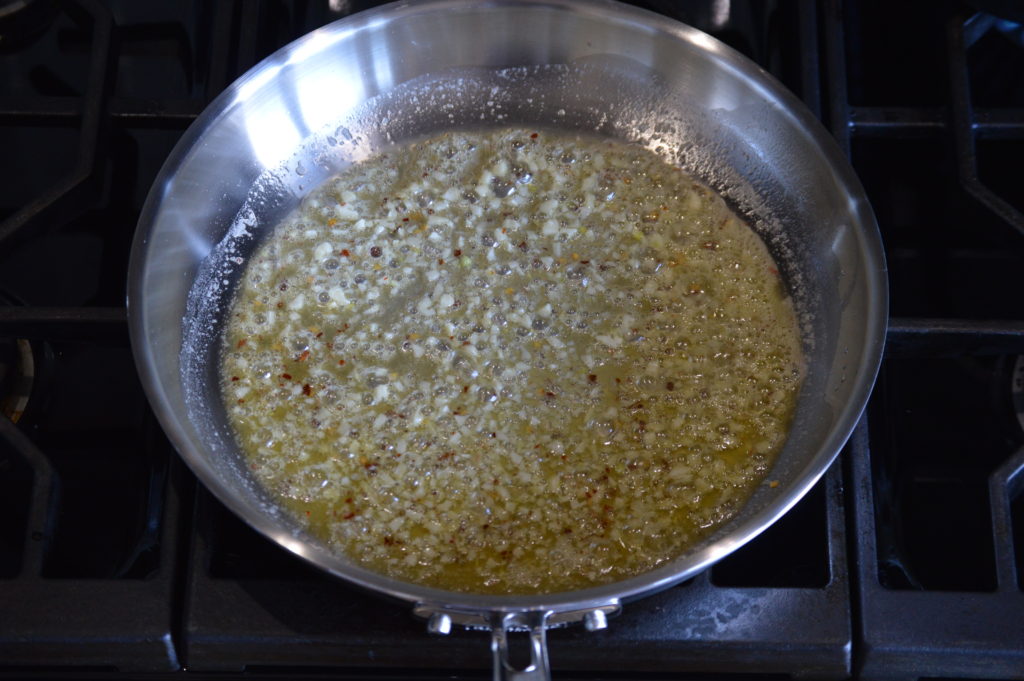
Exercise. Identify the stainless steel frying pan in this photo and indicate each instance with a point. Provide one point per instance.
(410, 69)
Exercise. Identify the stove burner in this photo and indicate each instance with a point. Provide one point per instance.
(17, 373)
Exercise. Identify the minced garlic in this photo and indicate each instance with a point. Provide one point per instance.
(511, 362)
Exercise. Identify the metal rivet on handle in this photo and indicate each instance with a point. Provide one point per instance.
(439, 623)
(595, 620)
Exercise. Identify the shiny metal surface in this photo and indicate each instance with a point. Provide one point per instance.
(538, 668)
(439, 623)
(409, 69)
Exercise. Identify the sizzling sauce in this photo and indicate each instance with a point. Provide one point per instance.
(512, 362)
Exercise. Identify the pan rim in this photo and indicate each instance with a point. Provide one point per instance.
(140, 323)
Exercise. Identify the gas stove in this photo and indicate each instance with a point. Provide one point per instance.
(905, 561)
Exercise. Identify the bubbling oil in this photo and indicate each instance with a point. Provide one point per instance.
(514, 361)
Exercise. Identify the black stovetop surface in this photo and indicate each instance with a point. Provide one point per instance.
(905, 561)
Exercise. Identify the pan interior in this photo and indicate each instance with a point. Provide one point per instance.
(351, 90)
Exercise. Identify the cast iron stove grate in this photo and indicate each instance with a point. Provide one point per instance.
(937, 495)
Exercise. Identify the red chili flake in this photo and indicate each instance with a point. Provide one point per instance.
(773, 270)
(458, 252)
(485, 526)
(348, 500)
(430, 211)
(533, 136)
(286, 377)
(405, 219)
(349, 516)
(549, 394)
(567, 530)
(241, 401)
(494, 435)
(304, 356)
(345, 252)
(241, 343)
(584, 262)
(465, 388)
(307, 513)
(234, 378)
(592, 378)
(522, 246)
(440, 261)
(307, 390)
(375, 251)
(341, 362)
(670, 386)
(320, 334)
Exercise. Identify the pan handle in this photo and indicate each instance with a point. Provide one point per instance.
(536, 623)
(440, 620)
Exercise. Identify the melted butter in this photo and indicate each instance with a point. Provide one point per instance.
(511, 362)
